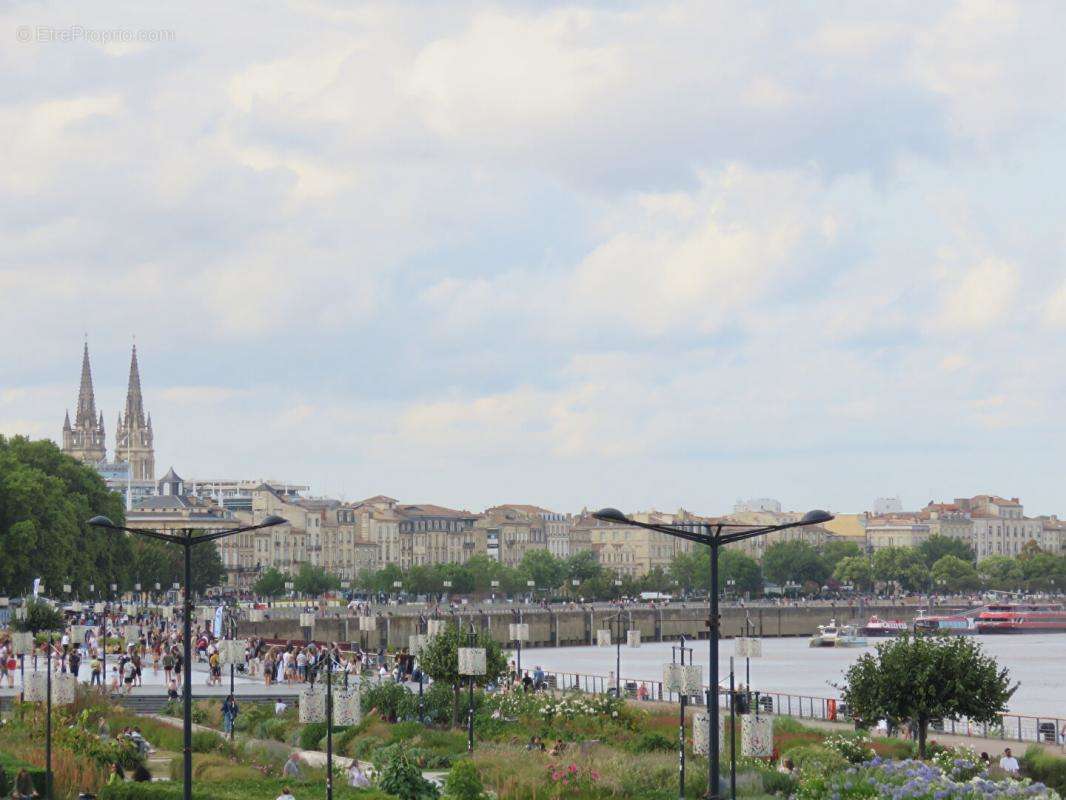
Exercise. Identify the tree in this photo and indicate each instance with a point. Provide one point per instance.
(1000, 572)
(735, 566)
(902, 565)
(270, 584)
(583, 566)
(936, 547)
(856, 571)
(46, 499)
(794, 561)
(440, 660)
(925, 678)
(955, 573)
(40, 616)
(315, 581)
(542, 567)
(1043, 570)
(836, 551)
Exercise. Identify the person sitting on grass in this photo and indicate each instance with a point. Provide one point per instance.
(24, 788)
(141, 774)
(285, 794)
(557, 748)
(292, 767)
(356, 777)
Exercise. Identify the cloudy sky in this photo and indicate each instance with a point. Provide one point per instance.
(639, 254)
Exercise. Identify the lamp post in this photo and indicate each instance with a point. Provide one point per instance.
(472, 662)
(186, 540)
(713, 535)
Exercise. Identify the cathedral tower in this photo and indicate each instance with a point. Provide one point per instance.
(85, 440)
(133, 441)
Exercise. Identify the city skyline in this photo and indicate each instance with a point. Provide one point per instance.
(570, 255)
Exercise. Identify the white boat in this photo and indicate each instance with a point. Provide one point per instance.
(833, 635)
(826, 636)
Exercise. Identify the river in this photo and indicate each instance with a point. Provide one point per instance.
(788, 665)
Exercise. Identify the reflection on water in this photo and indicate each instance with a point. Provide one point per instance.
(1037, 662)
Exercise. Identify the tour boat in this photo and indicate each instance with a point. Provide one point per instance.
(945, 624)
(1022, 618)
(833, 635)
(875, 626)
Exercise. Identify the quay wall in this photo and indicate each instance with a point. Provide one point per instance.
(566, 627)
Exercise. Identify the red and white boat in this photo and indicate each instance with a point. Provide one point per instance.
(875, 626)
(1022, 618)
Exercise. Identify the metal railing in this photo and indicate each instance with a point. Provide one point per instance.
(1012, 727)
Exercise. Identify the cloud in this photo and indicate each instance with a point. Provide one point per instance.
(983, 295)
(675, 253)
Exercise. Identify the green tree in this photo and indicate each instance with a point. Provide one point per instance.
(794, 561)
(46, 499)
(856, 571)
(836, 551)
(925, 678)
(542, 567)
(583, 566)
(270, 584)
(1000, 572)
(955, 574)
(40, 616)
(440, 660)
(1042, 570)
(315, 581)
(936, 547)
(902, 565)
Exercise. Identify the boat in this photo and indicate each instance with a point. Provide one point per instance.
(833, 635)
(945, 624)
(875, 626)
(1022, 618)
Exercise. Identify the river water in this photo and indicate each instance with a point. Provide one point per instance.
(789, 665)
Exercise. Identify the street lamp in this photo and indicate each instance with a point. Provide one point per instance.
(186, 540)
(711, 534)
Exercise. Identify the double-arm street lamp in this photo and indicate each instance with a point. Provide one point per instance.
(713, 535)
(185, 538)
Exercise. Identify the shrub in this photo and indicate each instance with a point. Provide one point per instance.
(817, 760)
(399, 775)
(855, 747)
(651, 743)
(778, 783)
(464, 782)
(9, 769)
(1042, 766)
(393, 701)
(236, 790)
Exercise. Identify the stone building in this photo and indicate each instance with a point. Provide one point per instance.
(133, 437)
(85, 439)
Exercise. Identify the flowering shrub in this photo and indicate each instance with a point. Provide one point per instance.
(549, 707)
(855, 748)
(571, 779)
(960, 763)
(913, 780)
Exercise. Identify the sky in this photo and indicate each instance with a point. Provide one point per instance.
(639, 254)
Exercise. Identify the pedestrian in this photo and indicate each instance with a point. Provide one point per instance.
(229, 713)
(286, 794)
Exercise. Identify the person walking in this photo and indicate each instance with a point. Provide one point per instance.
(230, 710)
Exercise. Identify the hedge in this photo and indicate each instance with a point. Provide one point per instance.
(9, 768)
(266, 789)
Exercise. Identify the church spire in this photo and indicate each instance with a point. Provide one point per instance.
(86, 416)
(134, 402)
